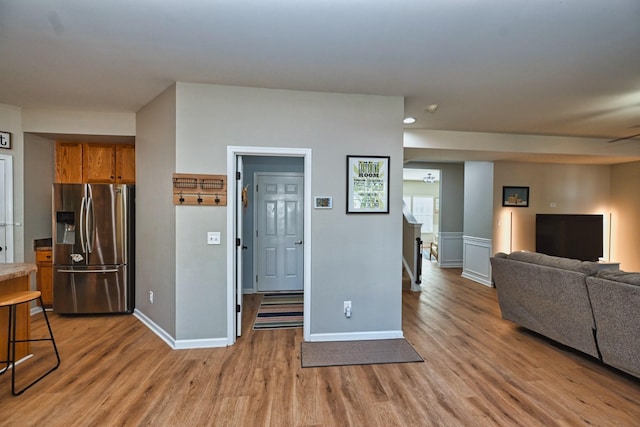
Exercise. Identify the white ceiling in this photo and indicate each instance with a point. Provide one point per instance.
(550, 67)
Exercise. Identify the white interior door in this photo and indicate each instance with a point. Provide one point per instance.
(239, 243)
(6, 209)
(279, 216)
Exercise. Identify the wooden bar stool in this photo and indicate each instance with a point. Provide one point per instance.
(11, 301)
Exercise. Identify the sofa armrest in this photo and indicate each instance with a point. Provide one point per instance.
(617, 317)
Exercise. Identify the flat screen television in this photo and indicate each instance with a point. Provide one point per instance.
(570, 236)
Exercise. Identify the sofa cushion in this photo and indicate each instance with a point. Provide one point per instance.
(620, 276)
(585, 267)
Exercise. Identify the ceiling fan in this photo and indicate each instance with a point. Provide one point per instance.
(626, 137)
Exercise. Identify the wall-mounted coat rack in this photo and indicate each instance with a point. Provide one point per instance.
(207, 190)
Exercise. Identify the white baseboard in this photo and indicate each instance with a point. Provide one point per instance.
(357, 336)
(178, 344)
(200, 343)
(164, 336)
(477, 278)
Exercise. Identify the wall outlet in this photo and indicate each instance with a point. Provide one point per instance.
(347, 309)
(151, 297)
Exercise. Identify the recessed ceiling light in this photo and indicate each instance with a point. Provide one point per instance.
(409, 120)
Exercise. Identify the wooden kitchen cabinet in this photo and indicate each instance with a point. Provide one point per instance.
(125, 164)
(78, 163)
(68, 163)
(44, 276)
(99, 163)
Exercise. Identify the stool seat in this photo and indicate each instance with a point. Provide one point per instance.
(11, 301)
(18, 298)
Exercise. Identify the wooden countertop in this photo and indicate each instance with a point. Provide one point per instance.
(14, 270)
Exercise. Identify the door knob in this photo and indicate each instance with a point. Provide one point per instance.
(299, 242)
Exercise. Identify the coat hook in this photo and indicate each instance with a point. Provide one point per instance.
(181, 198)
(199, 198)
(217, 200)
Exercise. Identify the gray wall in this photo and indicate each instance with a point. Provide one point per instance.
(349, 261)
(39, 168)
(155, 213)
(478, 186)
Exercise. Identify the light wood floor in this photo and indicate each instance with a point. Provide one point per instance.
(479, 371)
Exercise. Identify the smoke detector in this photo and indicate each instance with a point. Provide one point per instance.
(431, 108)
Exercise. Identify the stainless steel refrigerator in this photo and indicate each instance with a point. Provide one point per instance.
(93, 248)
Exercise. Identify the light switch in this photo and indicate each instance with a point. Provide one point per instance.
(213, 238)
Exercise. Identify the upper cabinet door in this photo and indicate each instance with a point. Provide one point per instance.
(126, 164)
(99, 163)
(82, 163)
(68, 163)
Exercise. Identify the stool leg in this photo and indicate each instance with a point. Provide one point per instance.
(55, 348)
(8, 359)
(12, 313)
(53, 341)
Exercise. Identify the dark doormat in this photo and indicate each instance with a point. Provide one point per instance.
(342, 353)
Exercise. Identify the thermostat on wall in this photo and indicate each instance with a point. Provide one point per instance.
(323, 202)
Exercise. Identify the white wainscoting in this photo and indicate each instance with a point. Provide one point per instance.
(476, 265)
(450, 249)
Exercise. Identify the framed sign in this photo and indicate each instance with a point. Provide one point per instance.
(517, 197)
(367, 184)
(5, 139)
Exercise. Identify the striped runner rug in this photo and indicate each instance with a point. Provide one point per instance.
(280, 311)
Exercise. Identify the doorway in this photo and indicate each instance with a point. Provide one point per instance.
(6, 208)
(421, 195)
(236, 159)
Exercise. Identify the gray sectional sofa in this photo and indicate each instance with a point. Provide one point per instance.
(575, 303)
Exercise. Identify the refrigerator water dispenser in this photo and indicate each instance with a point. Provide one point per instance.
(65, 228)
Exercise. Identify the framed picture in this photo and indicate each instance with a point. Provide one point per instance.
(367, 184)
(515, 197)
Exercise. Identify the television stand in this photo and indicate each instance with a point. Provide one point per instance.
(606, 265)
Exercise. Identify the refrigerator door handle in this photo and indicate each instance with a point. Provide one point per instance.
(90, 230)
(82, 216)
(109, 270)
